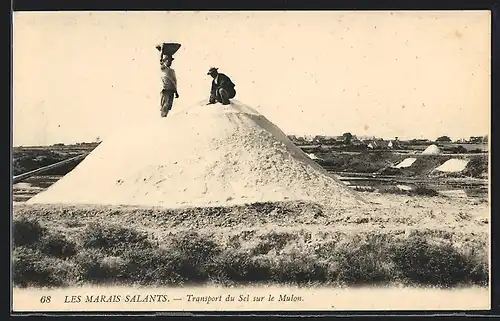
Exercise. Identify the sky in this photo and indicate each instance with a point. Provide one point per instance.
(422, 74)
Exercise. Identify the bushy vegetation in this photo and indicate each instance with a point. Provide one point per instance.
(476, 167)
(26, 231)
(109, 254)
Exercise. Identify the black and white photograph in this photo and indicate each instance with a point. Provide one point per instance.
(251, 160)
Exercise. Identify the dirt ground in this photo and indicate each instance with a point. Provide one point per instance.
(386, 212)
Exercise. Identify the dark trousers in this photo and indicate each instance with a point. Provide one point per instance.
(166, 102)
(222, 95)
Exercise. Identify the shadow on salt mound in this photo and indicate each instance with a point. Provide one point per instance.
(406, 163)
(453, 165)
(253, 115)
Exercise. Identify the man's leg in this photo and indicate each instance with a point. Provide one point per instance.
(163, 104)
(232, 93)
(224, 96)
(170, 100)
(218, 98)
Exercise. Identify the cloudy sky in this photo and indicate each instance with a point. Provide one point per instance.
(79, 75)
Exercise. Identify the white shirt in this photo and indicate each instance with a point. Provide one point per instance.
(169, 80)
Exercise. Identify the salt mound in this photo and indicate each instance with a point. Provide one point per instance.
(431, 150)
(407, 162)
(453, 165)
(204, 156)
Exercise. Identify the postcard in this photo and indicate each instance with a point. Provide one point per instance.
(243, 161)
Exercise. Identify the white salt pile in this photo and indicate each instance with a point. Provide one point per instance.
(312, 156)
(24, 186)
(431, 150)
(454, 193)
(407, 162)
(453, 165)
(206, 156)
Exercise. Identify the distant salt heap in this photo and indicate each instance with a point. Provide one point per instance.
(453, 165)
(431, 150)
(206, 156)
(312, 156)
(407, 162)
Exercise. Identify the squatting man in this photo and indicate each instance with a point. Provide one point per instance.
(221, 91)
(222, 87)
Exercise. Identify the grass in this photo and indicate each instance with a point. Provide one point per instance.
(46, 255)
(476, 167)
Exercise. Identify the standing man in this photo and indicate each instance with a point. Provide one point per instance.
(169, 81)
(222, 87)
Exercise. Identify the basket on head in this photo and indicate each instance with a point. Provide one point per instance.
(168, 48)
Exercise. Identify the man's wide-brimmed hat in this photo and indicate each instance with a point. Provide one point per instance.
(211, 70)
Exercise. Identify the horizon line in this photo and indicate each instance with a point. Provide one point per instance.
(371, 137)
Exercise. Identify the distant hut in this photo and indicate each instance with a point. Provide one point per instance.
(380, 144)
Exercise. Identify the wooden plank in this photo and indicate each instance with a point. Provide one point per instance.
(26, 175)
